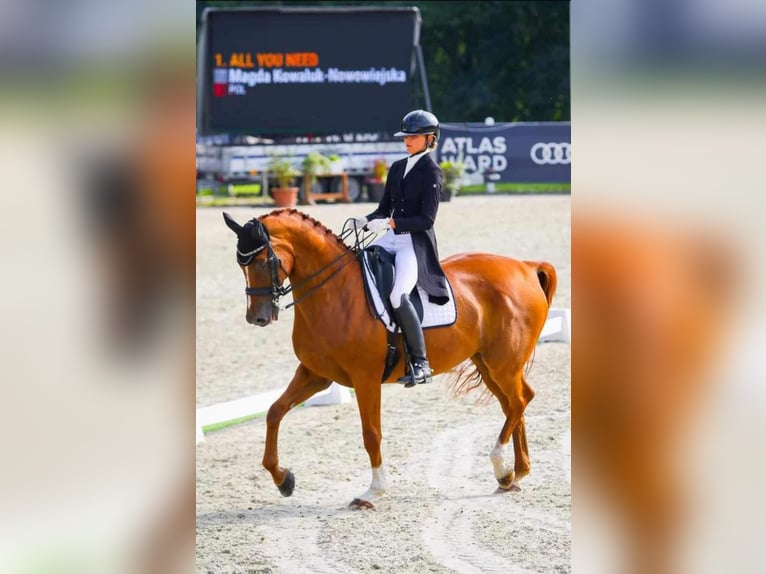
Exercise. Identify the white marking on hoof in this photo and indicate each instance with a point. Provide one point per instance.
(378, 486)
(501, 463)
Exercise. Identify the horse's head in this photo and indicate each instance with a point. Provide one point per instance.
(263, 269)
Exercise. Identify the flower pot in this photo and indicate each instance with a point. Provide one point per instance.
(285, 196)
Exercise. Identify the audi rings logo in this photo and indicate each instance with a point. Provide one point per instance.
(551, 153)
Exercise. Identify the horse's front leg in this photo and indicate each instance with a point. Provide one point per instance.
(305, 383)
(368, 398)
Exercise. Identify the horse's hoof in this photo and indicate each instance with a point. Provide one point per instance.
(512, 488)
(288, 484)
(359, 504)
(507, 483)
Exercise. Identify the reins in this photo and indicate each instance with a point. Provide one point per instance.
(276, 290)
(290, 288)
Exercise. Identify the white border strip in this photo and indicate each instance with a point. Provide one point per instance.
(260, 403)
(558, 327)
(231, 410)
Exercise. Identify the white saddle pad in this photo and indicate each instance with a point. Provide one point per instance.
(433, 315)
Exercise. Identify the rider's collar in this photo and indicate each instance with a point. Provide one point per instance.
(416, 156)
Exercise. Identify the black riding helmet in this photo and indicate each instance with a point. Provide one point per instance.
(419, 122)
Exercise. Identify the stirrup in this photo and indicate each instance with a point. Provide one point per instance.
(419, 374)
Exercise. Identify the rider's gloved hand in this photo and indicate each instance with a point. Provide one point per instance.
(359, 222)
(378, 225)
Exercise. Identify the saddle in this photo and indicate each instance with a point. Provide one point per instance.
(379, 265)
(378, 272)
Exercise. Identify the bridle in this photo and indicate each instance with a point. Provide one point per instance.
(276, 289)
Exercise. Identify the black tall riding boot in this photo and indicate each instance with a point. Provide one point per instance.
(407, 318)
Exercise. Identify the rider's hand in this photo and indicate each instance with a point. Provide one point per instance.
(378, 225)
(359, 222)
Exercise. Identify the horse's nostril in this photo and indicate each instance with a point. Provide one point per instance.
(259, 321)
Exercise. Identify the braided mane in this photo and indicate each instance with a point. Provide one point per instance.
(321, 227)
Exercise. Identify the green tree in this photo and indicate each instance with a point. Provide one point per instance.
(508, 60)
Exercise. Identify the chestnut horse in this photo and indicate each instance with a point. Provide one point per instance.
(502, 305)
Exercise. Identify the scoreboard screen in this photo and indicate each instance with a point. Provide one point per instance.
(283, 71)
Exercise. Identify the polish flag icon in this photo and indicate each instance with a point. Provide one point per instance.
(220, 82)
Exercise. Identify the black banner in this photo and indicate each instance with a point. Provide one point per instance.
(281, 71)
(513, 152)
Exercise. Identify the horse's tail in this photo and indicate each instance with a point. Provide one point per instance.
(546, 275)
(465, 378)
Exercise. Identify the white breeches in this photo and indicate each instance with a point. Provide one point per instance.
(406, 277)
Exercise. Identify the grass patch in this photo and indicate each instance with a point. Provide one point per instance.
(225, 201)
(241, 194)
(518, 188)
(226, 424)
(237, 190)
(245, 190)
(230, 423)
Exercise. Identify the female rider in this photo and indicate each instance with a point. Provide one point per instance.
(407, 212)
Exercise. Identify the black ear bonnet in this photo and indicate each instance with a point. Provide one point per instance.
(251, 240)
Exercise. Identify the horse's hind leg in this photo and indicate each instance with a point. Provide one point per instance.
(305, 383)
(513, 393)
(520, 450)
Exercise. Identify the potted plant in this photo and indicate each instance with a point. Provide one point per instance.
(285, 193)
(377, 182)
(452, 171)
(336, 165)
(315, 164)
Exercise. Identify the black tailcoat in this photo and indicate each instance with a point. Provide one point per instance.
(413, 202)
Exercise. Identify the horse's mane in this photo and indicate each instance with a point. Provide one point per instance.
(318, 225)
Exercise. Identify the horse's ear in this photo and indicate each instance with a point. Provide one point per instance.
(259, 233)
(233, 225)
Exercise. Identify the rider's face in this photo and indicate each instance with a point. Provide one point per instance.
(415, 143)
